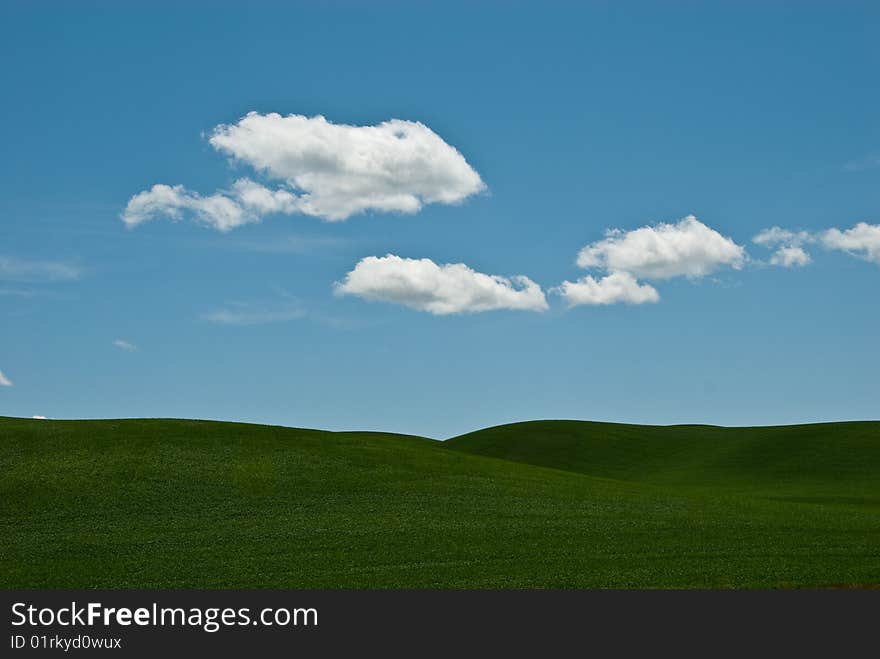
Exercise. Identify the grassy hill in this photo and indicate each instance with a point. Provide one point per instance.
(822, 462)
(170, 503)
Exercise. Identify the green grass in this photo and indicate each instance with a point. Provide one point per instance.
(175, 504)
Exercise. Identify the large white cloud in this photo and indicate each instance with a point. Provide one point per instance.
(4, 381)
(688, 248)
(862, 240)
(342, 170)
(612, 289)
(439, 289)
(331, 171)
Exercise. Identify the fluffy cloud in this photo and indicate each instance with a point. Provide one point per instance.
(342, 170)
(688, 248)
(222, 210)
(790, 257)
(779, 236)
(789, 246)
(4, 381)
(862, 240)
(260, 200)
(611, 289)
(439, 289)
(331, 171)
(125, 345)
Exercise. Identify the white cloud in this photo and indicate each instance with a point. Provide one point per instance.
(611, 289)
(862, 240)
(125, 345)
(38, 416)
(12, 269)
(260, 200)
(790, 257)
(333, 171)
(779, 236)
(688, 248)
(439, 289)
(219, 210)
(4, 381)
(343, 170)
(790, 252)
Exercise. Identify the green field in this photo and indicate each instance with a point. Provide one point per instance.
(545, 504)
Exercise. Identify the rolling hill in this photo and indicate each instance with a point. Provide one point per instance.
(832, 461)
(552, 504)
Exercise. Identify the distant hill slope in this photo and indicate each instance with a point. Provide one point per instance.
(175, 504)
(824, 459)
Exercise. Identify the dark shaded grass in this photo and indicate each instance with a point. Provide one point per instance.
(834, 462)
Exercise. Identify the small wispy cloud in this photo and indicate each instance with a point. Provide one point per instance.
(15, 292)
(291, 244)
(4, 381)
(282, 307)
(122, 344)
(255, 313)
(38, 416)
(23, 270)
(861, 164)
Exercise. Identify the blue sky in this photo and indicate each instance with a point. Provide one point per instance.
(576, 119)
